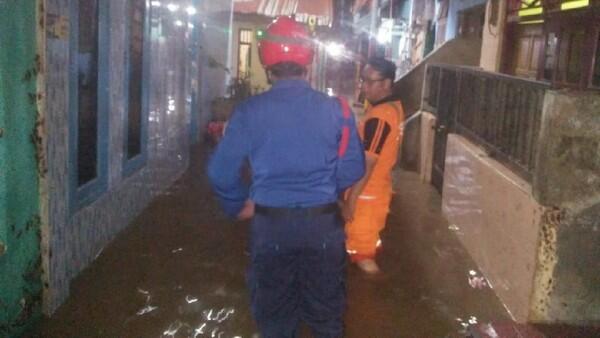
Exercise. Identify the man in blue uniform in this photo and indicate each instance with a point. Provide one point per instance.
(304, 150)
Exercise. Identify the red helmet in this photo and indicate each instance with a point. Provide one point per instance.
(286, 41)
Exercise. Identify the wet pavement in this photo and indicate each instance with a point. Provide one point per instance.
(178, 271)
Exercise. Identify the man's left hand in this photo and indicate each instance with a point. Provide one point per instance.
(347, 209)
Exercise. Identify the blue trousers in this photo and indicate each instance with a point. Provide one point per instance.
(297, 273)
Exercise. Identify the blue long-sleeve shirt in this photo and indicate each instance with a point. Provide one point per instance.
(290, 135)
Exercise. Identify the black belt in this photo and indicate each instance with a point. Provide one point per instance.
(309, 211)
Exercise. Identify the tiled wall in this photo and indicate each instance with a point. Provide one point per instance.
(73, 240)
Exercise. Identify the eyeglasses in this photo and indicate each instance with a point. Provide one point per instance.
(369, 81)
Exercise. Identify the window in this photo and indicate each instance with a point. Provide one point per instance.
(136, 68)
(570, 56)
(525, 55)
(526, 9)
(550, 56)
(244, 53)
(88, 101)
(573, 4)
(87, 82)
(566, 46)
(596, 74)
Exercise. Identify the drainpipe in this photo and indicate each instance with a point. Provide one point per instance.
(229, 48)
(410, 31)
(342, 11)
(373, 27)
(390, 47)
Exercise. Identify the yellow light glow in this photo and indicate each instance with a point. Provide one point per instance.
(530, 11)
(531, 22)
(526, 10)
(574, 4)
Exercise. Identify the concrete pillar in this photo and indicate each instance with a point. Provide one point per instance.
(493, 35)
(427, 140)
(567, 181)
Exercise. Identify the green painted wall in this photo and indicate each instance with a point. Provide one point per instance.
(20, 263)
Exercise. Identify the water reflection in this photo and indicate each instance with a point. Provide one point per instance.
(466, 323)
(147, 308)
(211, 321)
(476, 281)
(489, 330)
(173, 329)
(190, 299)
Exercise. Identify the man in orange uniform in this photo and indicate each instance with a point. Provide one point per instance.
(366, 204)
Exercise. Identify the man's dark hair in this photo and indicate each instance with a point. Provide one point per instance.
(284, 70)
(386, 68)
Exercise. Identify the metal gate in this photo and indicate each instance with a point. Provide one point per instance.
(440, 98)
(500, 113)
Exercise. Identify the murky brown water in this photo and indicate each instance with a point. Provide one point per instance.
(178, 271)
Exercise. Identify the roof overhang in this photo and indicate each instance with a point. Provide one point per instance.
(318, 13)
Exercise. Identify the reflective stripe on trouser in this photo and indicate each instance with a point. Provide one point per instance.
(297, 274)
(369, 219)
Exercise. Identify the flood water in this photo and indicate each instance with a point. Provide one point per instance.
(179, 271)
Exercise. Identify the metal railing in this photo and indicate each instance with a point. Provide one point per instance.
(499, 112)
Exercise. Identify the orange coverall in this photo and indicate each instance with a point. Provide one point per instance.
(381, 132)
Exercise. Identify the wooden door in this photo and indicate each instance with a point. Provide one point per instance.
(523, 53)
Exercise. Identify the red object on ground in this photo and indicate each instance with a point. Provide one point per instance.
(215, 130)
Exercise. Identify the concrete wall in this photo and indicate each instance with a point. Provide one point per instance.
(493, 36)
(73, 239)
(567, 181)
(568, 162)
(498, 221)
(20, 263)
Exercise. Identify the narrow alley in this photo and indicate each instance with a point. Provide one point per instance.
(179, 270)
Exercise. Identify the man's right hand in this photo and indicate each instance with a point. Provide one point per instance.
(247, 211)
